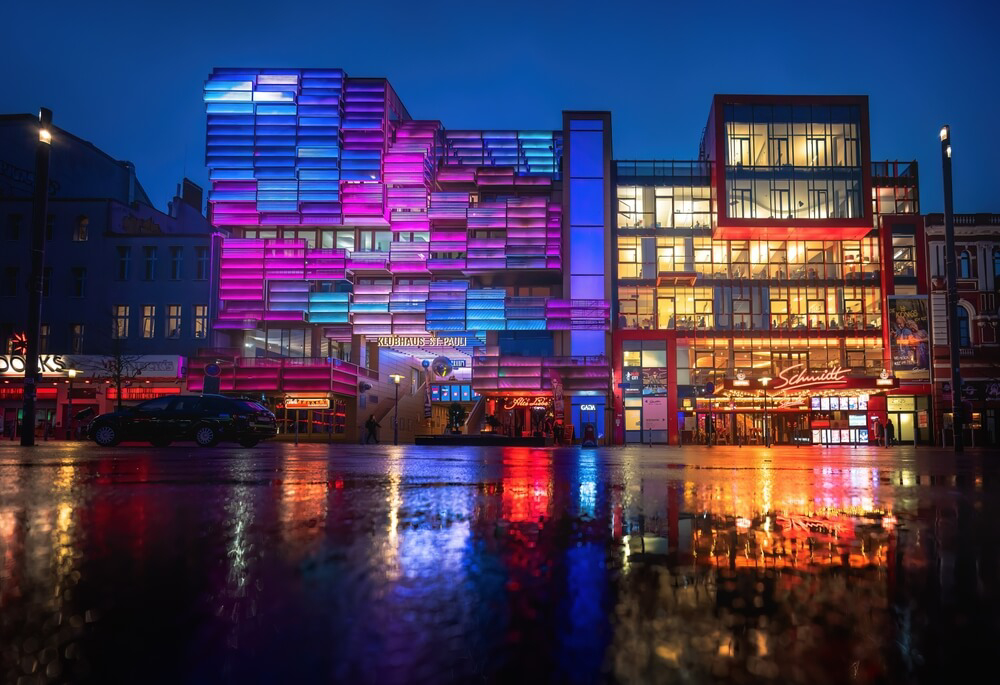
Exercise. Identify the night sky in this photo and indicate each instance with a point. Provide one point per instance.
(127, 76)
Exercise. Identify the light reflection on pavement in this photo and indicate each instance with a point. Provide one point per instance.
(409, 564)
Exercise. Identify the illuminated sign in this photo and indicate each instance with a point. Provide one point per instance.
(857, 420)
(421, 341)
(588, 407)
(307, 403)
(741, 380)
(48, 364)
(798, 376)
(524, 402)
(884, 379)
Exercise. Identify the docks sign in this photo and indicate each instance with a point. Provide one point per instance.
(48, 364)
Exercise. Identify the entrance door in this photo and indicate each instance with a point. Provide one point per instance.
(905, 423)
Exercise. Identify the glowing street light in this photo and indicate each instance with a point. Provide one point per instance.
(764, 380)
(951, 272)
(70, 434)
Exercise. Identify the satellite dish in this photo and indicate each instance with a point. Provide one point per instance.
(441, 366)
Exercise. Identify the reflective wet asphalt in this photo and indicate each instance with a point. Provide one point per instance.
(463, 565)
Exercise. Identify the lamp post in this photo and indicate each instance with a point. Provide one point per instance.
(951, 271)
(39, 213)
(396, 378)
(70, 374)
(764, 380)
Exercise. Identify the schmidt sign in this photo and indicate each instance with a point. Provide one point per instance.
(48, 364)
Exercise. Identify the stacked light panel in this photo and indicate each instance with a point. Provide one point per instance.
(446, 306)
(523, 153)
(484, 309)
(273, 146)
(330, 308)
(408, 306)
(370, 308)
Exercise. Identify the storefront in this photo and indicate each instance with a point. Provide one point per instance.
(803, 407)
(519, 416)
(312, 417)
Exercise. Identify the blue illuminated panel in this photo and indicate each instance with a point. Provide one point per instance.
(587, 232)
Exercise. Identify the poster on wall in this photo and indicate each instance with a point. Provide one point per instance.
(654, 413)
(558, 406)
(908, 337)
(654, 381)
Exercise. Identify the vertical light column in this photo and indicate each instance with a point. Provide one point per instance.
(586, 225)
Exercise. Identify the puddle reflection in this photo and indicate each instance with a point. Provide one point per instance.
(497, 566)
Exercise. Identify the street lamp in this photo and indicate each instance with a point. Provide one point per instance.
(70, 374)
(396, 378)
(39, 214)
(764, 380)
(951, 271)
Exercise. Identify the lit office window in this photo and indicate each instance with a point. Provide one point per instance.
(148, 321)
(174, 321)
(121, 317)
(201, 320)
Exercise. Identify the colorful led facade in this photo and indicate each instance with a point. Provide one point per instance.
(354, 222)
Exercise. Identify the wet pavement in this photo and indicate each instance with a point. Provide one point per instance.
(464, 565)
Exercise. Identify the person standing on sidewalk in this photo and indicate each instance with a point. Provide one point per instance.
(890, 433)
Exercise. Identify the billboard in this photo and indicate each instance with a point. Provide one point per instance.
(908, 336)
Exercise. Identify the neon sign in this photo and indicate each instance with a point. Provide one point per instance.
(421, 341)
(307, 403)
(798, 376)
(525, 402)
(48, 364)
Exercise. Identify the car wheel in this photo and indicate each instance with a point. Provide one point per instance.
(159, 443)
(106, 436)
(249, 442)
(206, 436)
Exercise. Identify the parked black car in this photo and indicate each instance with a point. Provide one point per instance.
(206, 419)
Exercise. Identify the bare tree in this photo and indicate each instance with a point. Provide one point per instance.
(117, 366)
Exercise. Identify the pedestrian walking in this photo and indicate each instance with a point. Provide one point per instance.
(890, 433)
(372, 426)
(879, 431)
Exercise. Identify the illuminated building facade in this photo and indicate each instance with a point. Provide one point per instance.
(756, 286)
(367, 243)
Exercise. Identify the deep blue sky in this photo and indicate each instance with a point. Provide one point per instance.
(127, 75)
